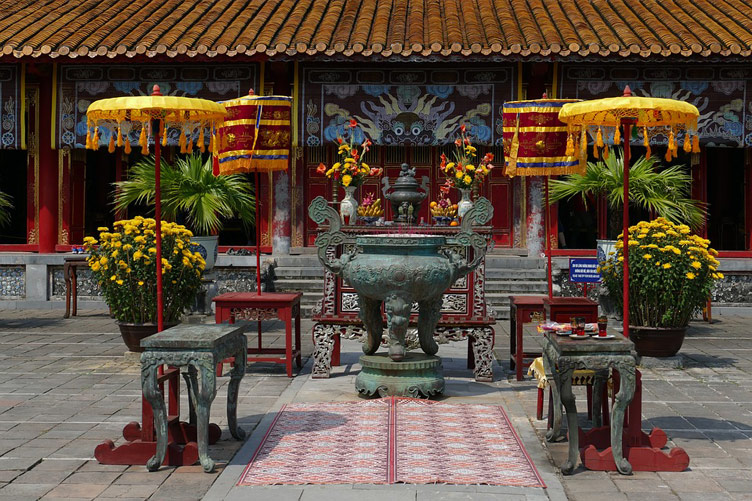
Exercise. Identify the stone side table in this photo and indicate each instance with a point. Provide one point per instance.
(199, 348)
(561, 356)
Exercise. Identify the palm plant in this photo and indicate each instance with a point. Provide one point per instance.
(6, 205)
(665, 192)
(190, 188)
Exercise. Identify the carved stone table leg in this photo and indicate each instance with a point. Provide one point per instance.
(191, 382)
(323, 344)
(370, 314)
(623, 399)
(397, 315)
(429, 313)
(600, 380)
(554, 380)
(567, 396)
(206, 368)
(236, 374)
(152, 394)
(483, 341)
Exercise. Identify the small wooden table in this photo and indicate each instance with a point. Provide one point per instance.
(562, 309)
(233, 306)
(561, 356)
(70, 265)
(522, 310)
(200, 348)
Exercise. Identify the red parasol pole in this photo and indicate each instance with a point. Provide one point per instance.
(547, 222)
(158, 216)
(258, 239)
(627, 122)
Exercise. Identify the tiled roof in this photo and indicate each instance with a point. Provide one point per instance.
(615, 28)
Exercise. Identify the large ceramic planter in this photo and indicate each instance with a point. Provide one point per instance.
(657, 341)
(133, 333)
(207, 247)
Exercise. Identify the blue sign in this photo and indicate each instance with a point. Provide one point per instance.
(584, 270)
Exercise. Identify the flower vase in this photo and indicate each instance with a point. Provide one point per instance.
(349, 206)
(465, 204)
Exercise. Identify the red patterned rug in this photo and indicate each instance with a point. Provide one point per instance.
(391, 440)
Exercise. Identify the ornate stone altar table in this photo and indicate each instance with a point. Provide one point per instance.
(561, 356)
(464, 311)
(200, 348)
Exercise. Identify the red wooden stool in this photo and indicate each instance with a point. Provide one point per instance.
(233, 306)
(522, 310)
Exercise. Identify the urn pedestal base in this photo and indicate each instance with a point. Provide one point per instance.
(417, 375)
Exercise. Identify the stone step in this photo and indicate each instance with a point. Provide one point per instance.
(516, 286)
(299, 284)
(299, 271)
(299, 260)
(511, 262)
(515, 274)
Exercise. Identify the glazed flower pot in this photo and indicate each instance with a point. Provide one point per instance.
(133, 333)
(207, 247)
(657, 341)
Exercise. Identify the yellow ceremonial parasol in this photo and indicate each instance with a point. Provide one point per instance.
(653, 116)
(155, 113)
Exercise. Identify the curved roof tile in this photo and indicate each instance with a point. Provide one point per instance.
(615, 28)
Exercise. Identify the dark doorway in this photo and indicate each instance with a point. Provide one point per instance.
(14, 182)
(726, 224)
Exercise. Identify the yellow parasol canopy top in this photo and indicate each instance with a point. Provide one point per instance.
(191, 115)
(651, 115)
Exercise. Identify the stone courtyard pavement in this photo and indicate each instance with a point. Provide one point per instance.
(65, 387)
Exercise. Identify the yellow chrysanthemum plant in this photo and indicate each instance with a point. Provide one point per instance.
(123, 262)
(465, 169)
(671, 273)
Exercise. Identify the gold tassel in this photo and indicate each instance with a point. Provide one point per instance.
(212, 141)
(687, 143)
(646, 141)
(88, 140)
(127, 146)
(671, 141)
(111, 145)
(605, 153)
(95, 139)
(201, 141)
(583, 141)
(144, 150)
(648, 153)
(595, 151)
(181, 141)
(570, 146)
(120, 136)
(599, 138)
(617, 136)
(142, 138)
(669, 151)
(164, 134)
(696, 144)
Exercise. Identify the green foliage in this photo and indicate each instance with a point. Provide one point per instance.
(671, 273)
(666, 192)
(190, 188)
(124, 264)
(6, 205)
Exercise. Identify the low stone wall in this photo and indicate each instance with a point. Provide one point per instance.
(12, 282)
(735, 288)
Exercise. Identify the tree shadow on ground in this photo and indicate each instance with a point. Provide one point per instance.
(700, 428)
(695, 360)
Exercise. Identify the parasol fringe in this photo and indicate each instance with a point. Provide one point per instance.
(127, 148)
(201, 144)
(599, 138)
(111, 144)
(696, 144)
(120, 135)
(687, 143)
(617, 136)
